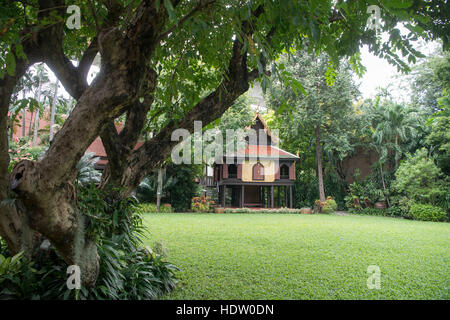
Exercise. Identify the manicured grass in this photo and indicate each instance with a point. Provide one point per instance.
(294, 256)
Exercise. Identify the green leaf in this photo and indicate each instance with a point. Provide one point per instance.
(10, 64)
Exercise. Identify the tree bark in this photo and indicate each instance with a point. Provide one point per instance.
(319, 165)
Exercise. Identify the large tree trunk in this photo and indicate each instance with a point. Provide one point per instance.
(319, 165)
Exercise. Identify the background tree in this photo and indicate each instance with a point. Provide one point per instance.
(316, 104)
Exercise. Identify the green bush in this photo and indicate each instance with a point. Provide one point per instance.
(370, 212)
(396, 212)
(419, 179)
(178, 187)
(202, 204)
(21, 149)
(151, 207)
(427, 212)
(262, 210)
(330, 206)
(363, 194)
(306, 191)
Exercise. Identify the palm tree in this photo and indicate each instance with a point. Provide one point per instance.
(393, 125)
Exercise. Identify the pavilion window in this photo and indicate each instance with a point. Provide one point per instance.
(232, 171)
(284, 172)
(258, 171)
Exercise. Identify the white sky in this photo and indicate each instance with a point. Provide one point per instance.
(380, 73)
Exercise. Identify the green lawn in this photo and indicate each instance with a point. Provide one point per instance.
(293, 256)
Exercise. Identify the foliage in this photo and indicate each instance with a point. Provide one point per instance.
(439, 139)
(389, 212)
(179, 186)
(128, 270)
(330, 206)
(363, 194)
(87, 174)
(261, 210)
(22, 149)
(311, 108)
(305, 190)
(183, 187)
(393, 124)
(202, 204)
(419, 179)
(427, 212)
(327, 206)
(429, 81)
(15, 277)
(151, 207)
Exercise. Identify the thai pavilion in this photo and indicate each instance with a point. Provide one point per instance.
(260, 175)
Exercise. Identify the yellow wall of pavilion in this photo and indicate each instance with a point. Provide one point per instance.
(269, 170)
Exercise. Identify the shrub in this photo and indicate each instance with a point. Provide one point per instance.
(183, 187)
(327, 206)
(178, 187)
(363, 195)
(370, 212)
(305, 189)
(22, 149)
(426, 212)
(151, 207)
(420, 180)
(202, 204)
(330, 206)
(262, 210)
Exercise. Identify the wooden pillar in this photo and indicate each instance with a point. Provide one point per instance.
(290, 197)
(272, 205)
(222, 195)
(278, 197)
(242, 196)
(285, 196)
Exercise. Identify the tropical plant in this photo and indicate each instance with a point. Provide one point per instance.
(393, 124)
(202, 204)
(87, 174)
(427, 212)
(419, 179)
(439, 139)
